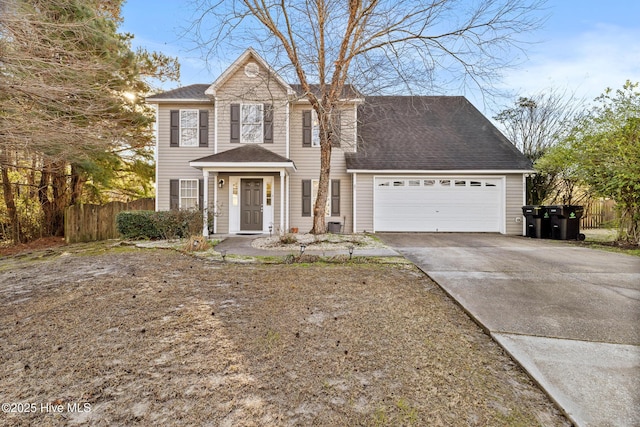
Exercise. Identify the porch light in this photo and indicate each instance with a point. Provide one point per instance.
(270, 230)
(302, 248)
(221, 183)
(223, 253)
(350, 247)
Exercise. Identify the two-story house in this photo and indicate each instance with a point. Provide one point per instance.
(246, 147)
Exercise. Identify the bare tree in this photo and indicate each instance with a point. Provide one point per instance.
(380, 46)
(535, 124)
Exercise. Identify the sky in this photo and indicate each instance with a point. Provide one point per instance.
(583, 47)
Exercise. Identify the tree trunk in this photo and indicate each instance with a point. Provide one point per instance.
(326, 142)
(77, 185)
(8, 198)
(319, 209)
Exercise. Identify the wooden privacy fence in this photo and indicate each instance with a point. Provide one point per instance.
(89, 223)
(598, 213)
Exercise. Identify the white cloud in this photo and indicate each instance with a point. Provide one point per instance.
(587, 63)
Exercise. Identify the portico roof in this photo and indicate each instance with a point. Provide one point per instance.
(247, 157)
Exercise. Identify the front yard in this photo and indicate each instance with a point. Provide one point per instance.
(157, 337)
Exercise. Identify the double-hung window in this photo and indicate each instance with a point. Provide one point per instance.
(188, 194)
(315, 129)
(252, 123)
(188, 128)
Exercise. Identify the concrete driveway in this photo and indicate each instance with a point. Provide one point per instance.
(569, 315)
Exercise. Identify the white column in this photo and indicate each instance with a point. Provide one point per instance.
(215, 204)
(282, 212)
(354, 202)
(205, 203)
(287, 206)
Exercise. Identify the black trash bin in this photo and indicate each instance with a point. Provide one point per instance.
(565, 222)
(537, 221)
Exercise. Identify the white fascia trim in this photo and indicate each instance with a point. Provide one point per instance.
(244, 167)
(177, 101)
(305, 100)
(440, 172)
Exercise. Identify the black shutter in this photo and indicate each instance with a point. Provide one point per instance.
(174, 139)
(200, 194)
(336, 118)
(204, 128)
(306, 197)
(306, 128)
(335, 197)
(235, 123)
(174, 194)
(268, 123)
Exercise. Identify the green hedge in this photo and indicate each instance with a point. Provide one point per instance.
(159, 225)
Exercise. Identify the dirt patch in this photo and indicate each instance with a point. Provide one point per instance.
(131, 336)
(7, 248)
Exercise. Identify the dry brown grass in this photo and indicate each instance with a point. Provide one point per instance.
(154, 337)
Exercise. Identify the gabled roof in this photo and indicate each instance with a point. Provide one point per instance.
(246, 154)
(193, 93)
(233, 68)
(430, 133)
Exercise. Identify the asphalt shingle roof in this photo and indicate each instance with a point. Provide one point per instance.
(245, 153)
(195, 91)
(430, 133)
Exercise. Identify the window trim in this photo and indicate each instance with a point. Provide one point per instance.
(260, 125)
(197, 127)
(197, 196)
(315, 129)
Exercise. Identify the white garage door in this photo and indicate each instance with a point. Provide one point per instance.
(438, 204)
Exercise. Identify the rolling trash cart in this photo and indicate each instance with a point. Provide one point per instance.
(565, 222)
(537, 220)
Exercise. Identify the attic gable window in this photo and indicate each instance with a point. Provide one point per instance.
(251, 116)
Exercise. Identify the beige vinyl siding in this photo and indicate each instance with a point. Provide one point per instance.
(514, 202)
(307, 161)
(173, 162)
(240, 89)
(364, 202)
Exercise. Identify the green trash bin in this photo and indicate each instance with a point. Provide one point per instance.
(537, 221)
(565, 222)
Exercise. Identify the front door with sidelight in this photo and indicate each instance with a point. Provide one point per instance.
(251, 208)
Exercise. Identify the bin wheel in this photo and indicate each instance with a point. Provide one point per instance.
(581, 236)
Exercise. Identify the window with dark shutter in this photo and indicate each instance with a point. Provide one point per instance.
(268, 123)
(307, 126)
(336, 118)
(306, 197)
(204, 128)
(174, 194)
(174, 123)
(335, 197)
(235, 123)
(200, 194)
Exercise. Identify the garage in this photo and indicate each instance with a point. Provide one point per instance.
(431, 204)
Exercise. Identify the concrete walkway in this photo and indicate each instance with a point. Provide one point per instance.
(569, 315)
